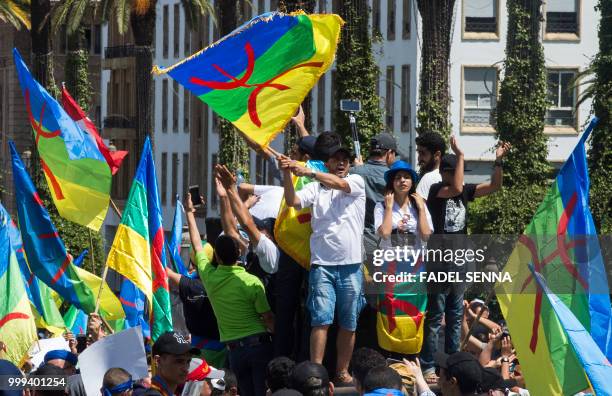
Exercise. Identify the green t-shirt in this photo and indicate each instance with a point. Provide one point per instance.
(237, 297)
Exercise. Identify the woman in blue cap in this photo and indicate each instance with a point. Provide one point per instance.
(403, 211)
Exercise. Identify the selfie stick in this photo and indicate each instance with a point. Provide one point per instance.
(353, 122)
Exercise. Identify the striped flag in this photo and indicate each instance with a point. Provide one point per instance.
(176, 238)
(17, 328)
(47, 255)
(138, 251)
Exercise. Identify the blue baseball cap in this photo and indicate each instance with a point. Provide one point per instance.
(400, 166)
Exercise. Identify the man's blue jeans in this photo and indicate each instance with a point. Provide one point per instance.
(450, 306)
(249, 364)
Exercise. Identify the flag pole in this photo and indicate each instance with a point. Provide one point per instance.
(93, 260)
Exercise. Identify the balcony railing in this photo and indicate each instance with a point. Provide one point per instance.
(561, 22)
(119, 51)
(119, 121)
(480, 24)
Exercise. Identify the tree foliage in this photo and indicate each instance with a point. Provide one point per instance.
(600, 150)
(520, 121)
(357, 74)
(523, 101)
(437, 20)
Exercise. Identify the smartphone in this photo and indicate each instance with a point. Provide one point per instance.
(81, 343)
(196, 199)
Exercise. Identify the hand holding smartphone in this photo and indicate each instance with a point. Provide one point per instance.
(196, 199)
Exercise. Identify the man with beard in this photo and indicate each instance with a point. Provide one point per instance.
(335, 278)
(430, 149)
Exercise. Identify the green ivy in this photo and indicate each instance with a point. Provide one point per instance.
(523, 102)
(233, 151)
(356, 75)
(77, 74)
(600, 150)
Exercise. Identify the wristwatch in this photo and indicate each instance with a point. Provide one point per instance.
(504, 359)
(313, 175)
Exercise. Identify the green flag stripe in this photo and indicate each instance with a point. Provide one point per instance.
(135, 214)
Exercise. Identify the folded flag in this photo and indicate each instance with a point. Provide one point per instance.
(133, 301)
(292, 228)
(561, 242)
(47, 255)
(17, 328)
(78, 175)
(113, 158)
(257, 76)
(76, 321)
(176, 238)
(594, 362)
(138, 251)
(46, 313)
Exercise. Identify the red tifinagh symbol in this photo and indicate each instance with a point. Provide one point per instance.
(12, 316)
(38, 130)
(391, 304)
(243, 82)
(562, 250)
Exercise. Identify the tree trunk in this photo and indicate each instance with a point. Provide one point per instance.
(143, 29)
(291, 133)
(77, 69)
(356, 75)
(523, 97)
(434, 97)
(233, 150)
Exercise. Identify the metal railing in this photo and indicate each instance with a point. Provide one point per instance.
(481, 24)
(561, 22)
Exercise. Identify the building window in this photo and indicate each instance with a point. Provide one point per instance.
(480, 96)
(215, 122)
(176, 29)
(187, 38)
(164, 178)
(97, 39)
(213, 187)
(175, 106)
(245, 10)
(376, 18)
(480, 16)
(562, 16)
(164, 109)
(562, 98)
(405, 121)
(261, 6)
(273, 5)
(321, 104)
(166, 16)
(335, 6)
(390, 20)
(322, 6)
(390, 99)
(186, 112)
(174, 180)
(260, 170)
(406, 19)
(204, 115)
(185, 172)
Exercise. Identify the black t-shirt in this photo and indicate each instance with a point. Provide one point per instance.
(199, 315)
(449, 215)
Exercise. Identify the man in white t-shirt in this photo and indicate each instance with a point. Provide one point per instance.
(430, 149)
(335, 278)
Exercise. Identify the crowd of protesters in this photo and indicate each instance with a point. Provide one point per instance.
(272, 327)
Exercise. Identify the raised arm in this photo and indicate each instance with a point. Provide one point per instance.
(456, 187)
(495, 184)
(299, 121)
(194, 233)
(327, 179)
(386, 227)
(284, 164)
(238, 207)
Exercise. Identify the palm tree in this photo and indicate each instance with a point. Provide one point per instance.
(140, 15)
(15, 12)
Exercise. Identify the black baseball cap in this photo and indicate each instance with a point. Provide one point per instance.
(307, 145)
(449, 163)
(173, 343)
(492, 380)
(463, 366)
(303, 372)
(383, 141)
(328, 152)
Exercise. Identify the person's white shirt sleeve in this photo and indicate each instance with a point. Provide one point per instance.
(428, 179)
(356, 184)
(307, 194)
(268, 254)
(379, 215)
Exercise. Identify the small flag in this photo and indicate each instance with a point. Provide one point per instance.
(176, 238)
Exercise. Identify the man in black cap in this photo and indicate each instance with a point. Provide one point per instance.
(171, 355)
(460, 374)
(335, 279)
(310, 379)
